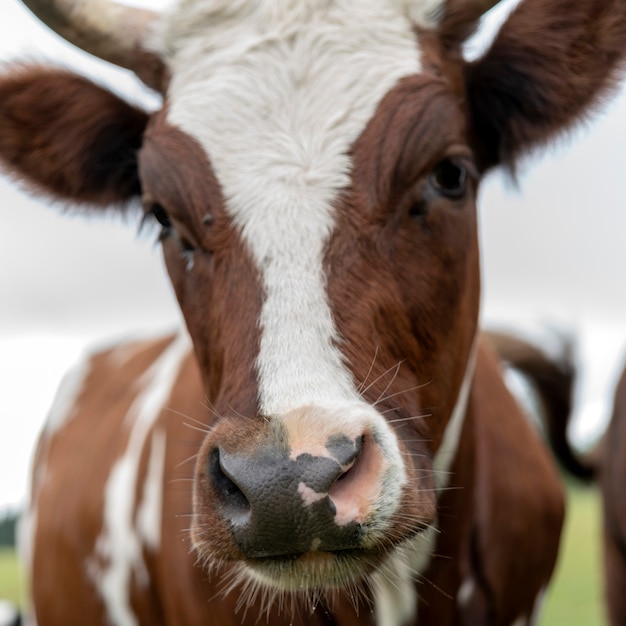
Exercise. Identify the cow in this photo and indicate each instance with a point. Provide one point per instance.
(611, 467)
(605, 464)
(313, 174)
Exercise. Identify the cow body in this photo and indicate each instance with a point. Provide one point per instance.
(313, 174)
(612, 473)
(130, 560)
(605, 463)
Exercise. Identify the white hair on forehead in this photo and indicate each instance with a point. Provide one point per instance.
(276, 92)
(189, 18)
(276, 95)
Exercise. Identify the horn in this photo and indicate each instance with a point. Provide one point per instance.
(106, 29)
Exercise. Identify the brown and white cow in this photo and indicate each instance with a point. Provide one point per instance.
(606, 464)
(314, 170)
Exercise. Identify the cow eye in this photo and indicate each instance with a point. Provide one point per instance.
(449, 178)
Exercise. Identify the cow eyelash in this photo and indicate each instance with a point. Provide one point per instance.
(159, 214)
(156, 212)
(188, 257)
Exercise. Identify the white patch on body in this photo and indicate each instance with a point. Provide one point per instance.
(452, 435)
(395, 598)
(25, 539)
(525, 391)
(465, 592)
(61, 413)
(66, 399)
(118, 553)
(150, 511)
(8, 613)
(394, 587)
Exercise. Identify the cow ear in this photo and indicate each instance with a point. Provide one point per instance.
(69, 138)
(551, 62)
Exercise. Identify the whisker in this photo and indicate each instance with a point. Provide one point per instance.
(416, 440)
(188, 417)
(412, 417)
(193, 457)
(208, 405)
(408, 390)
(203, 430)
(415, 455)
(245, 417)
(425, 579)
(369, 371)
(396, 367)
(181, 479)
(395, 375)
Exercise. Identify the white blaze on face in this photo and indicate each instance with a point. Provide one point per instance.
(66, 399)
(277, 91)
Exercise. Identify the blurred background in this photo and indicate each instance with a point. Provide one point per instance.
(553, 246)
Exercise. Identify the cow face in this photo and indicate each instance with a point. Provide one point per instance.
(313, 171)
(316, 204)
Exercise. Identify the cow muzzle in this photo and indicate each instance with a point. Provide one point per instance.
(305, 494)
(277, 505)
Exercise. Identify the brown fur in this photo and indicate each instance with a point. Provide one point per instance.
(73, 140)
(517, 103)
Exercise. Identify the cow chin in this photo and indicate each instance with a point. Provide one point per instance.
(316, 571)
(317, 574)
(317, 577)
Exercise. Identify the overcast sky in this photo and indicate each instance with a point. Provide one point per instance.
(553, 251)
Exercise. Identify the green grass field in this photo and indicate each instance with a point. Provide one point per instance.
(574, 599)
(10, 579)
(575, 596)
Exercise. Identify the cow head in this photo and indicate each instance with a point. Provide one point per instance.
(313, 172)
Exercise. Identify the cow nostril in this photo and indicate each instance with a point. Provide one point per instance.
(232, 498)
(354, 489)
